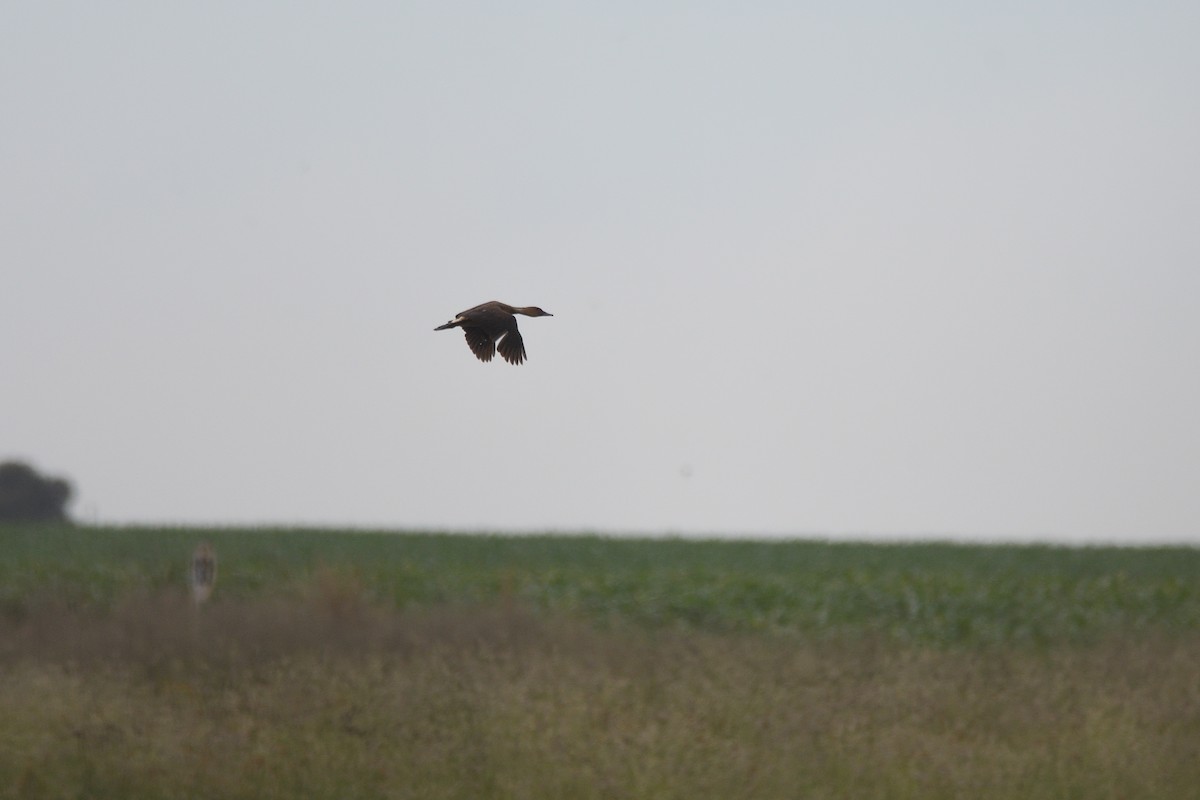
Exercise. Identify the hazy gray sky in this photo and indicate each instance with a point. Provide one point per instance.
(817, 269)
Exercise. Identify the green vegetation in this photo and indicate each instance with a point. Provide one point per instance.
(938, 593)
(344, 665)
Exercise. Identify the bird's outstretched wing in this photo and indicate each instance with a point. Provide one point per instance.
(480, 343)
(512, 347)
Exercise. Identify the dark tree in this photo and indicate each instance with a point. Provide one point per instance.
(26, 496)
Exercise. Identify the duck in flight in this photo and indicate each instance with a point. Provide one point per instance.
(492, 326)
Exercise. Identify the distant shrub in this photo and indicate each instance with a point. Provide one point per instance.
(26, 496)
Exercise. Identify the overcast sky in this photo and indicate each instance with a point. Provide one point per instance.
(845, 270)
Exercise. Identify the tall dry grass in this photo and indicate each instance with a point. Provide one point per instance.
(329, 696)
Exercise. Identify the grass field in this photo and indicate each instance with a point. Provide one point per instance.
(338, 664)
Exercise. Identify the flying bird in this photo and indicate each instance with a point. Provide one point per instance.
(491, 326)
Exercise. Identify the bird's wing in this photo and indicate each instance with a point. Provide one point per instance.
(512, 347)
(480, 343)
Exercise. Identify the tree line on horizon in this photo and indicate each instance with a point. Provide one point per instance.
(28, 496)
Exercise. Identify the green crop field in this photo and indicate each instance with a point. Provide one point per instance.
(938, 593)
(379, 664)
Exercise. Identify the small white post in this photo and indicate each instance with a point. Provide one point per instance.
(202, 572)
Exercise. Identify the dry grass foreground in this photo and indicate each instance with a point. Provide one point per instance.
(330, 698)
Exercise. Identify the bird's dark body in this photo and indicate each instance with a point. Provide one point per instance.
(491, 327)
